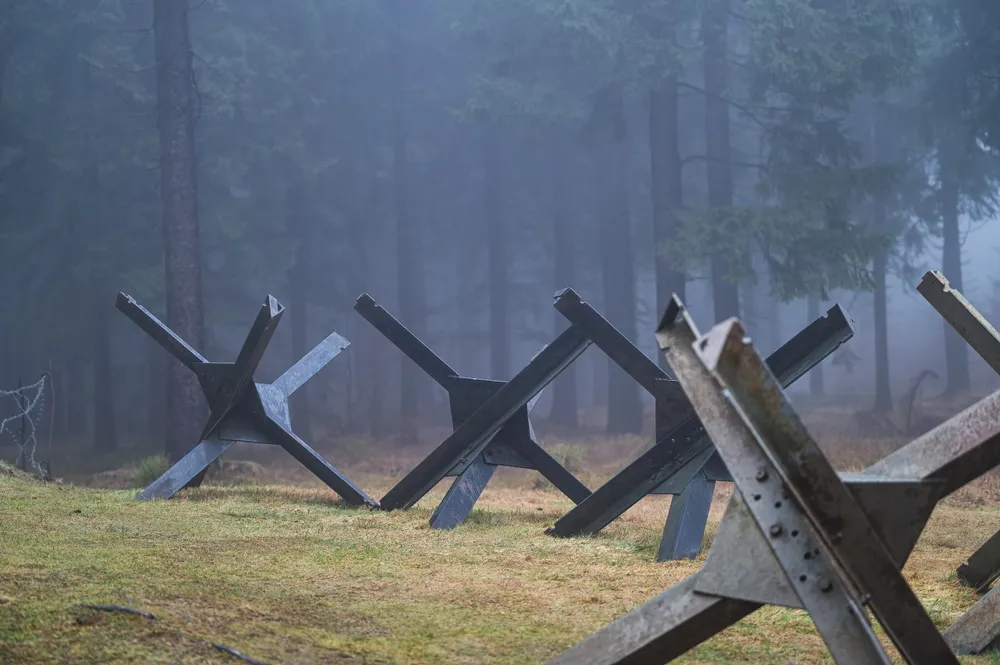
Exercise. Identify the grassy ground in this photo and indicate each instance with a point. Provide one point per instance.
(284, 574)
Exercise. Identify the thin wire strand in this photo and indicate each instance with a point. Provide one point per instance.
(25, 408)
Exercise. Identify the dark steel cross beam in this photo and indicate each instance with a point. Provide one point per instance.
(979, 627)
(242, 410)
(983, 567)
(490, 420)
(682, 461)
(795, 533)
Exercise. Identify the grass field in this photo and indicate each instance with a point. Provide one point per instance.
(284, 574)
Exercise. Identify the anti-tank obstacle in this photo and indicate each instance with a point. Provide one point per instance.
(682, 461)
(242, 410)
(979, 627)
(490, 419)
(795, 533)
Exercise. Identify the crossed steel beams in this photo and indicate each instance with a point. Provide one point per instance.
(490, 419)
(979, 627)
(682, 461)
(241, 410)
(795, 533)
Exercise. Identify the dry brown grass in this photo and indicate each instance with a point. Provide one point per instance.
(287, 575)
(265, 560)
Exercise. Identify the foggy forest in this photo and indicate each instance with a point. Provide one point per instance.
(461, 162)
(605, 326)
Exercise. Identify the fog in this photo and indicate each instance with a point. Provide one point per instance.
(461, 162)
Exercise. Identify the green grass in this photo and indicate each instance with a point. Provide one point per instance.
(286, 575)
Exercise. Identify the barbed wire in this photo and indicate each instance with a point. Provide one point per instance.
(30, 403)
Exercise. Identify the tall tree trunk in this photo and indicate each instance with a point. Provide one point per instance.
(60, 426)
(75, 396)
(665, 162)
(883, 390)
(715, 35)
(104, 411)
(816, 387)
(565, 403)
(410, 288)
(774, 321)
(955, 348)
(157, 368)
(178, 193)
(498, 256)
(618, 272)
(298, 287)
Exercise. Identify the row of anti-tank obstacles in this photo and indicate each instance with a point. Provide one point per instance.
(796, 533)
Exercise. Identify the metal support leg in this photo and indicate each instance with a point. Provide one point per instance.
(186, 471)
(686, 521)
(983, 567)
(978, 629)
(462, 495)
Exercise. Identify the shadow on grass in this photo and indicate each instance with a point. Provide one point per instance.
(283, 493)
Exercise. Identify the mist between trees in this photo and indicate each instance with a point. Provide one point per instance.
(463, 160)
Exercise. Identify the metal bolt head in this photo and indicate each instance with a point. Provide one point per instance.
(761, 474)
(775, 530)
(825, 585)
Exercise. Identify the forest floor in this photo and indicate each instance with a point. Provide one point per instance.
(266, 561)
(284, 574)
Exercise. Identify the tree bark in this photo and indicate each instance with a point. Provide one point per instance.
(955, 348)
(665, 163)
(410, 288)
(104, 412)
(816, 387)
(298, 287)
(75, 396)
(715, 35)
(565, 403)
(883, 390)
(618, 272)
(178, 193)
(498, 256)
(157, 368)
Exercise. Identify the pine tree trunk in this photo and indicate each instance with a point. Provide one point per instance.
(498, 256)
(60, 424)
(816, 387)
(665, 162)
(883, 391)
(955, 348)
(156, 362)
(715, 34)
(104, 412)
(618, 272)
(774, 323)
(178, 192)
(75, 397)
(298, 287)
(565, 404)
(410, 289)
